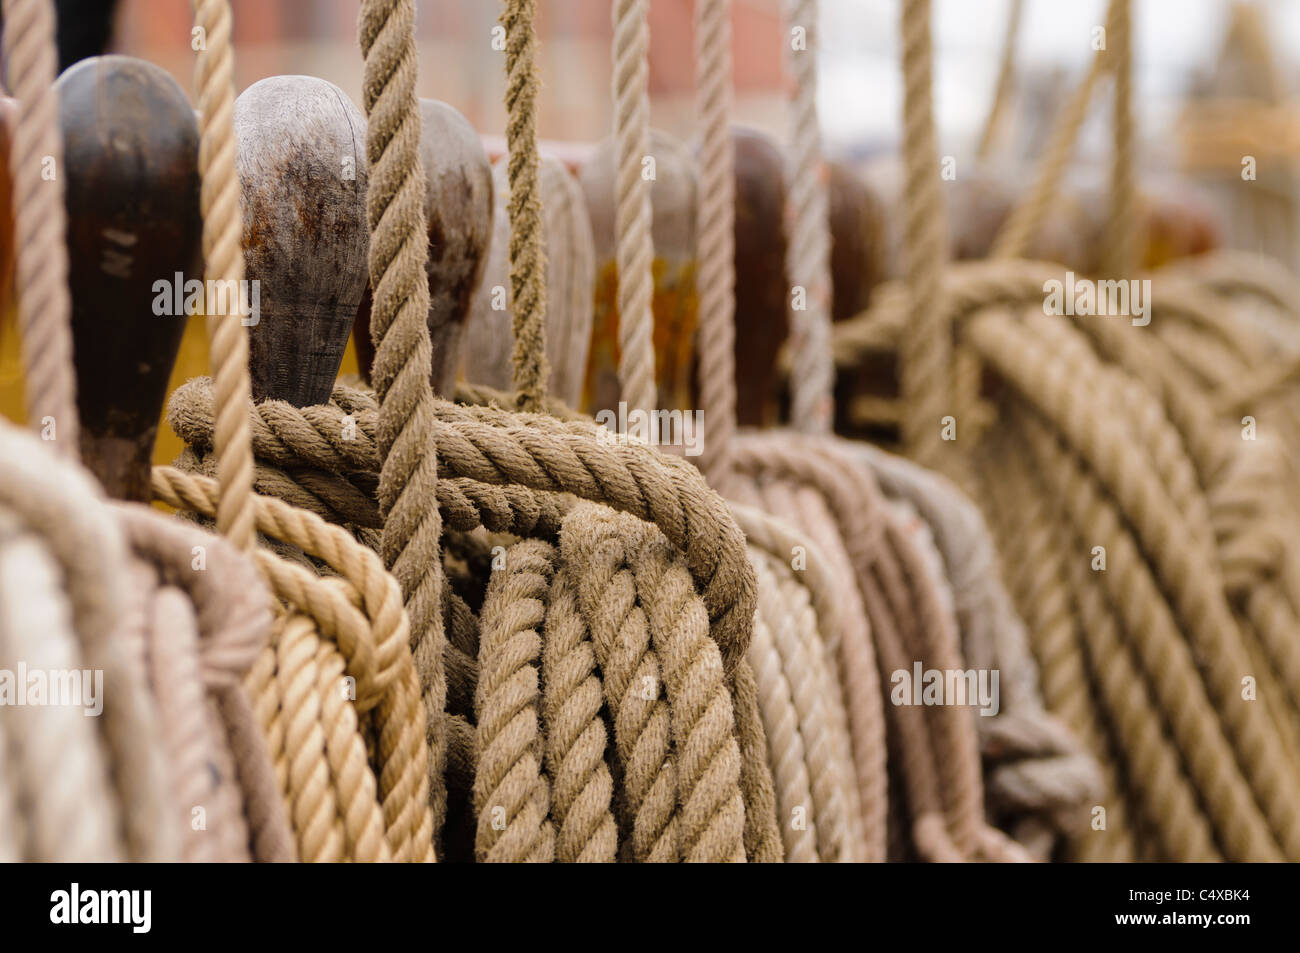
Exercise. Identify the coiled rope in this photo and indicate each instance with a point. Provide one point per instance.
(537, 791)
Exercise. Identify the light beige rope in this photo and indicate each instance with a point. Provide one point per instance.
(716, 243)
(52, 757)
(634, 248)
(795, 808)
(362, 614)
(1029, 213)
(398, 323)
(223, 258)
(808, 265)
(1005, 80)
(62, 504)
(200, 632)
(40, 224)
(784, 600)
(1120, 238)
(925, 348)
(838, 616)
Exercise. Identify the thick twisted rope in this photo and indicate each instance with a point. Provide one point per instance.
(201, 632)
(497, 447)
(834, 606)
(1143, 608)
(762, 837)
(711, 803)
(362, 614)
(715, 345)
(1052, 776)
(850, 641)
(49, 821)
(786, 753)
(925, 350)
(40, 223)
(527, 237)
(581, 786)
(632, 682)
(223, 259)
(511, 792)
(665, 685)
(399, 249)
(808, 262)
(905, 622)
(61, 503)
(634, 251)
(787, 602)
(1155, 447)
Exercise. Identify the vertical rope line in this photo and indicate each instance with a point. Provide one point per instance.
(1006, 73)
(925, 350)
(717, 284)
(635, 250)
(223, 258)
(1121, 232)
(40, 223)
(808, 262)
(404, 429)
(1027, 217)
(527, 238)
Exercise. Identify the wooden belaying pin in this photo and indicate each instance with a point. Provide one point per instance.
(302, 171)
(131, 147)
(762, 289)
(858, 250)
(458, 213)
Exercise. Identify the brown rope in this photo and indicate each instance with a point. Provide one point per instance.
(527, 239)
(408, 476)
(717, 274)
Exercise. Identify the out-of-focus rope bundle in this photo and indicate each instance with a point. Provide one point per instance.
(1146, 544)
(890, 606)
(175, 769)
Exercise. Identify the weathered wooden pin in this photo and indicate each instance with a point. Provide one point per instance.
(458, 212)
(131, 148)
(858, 251)
(762, 291)
(675, 182)
(570, 275)
(302, 168)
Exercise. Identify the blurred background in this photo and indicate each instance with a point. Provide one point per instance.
(1215, 82)
(1178, 47)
